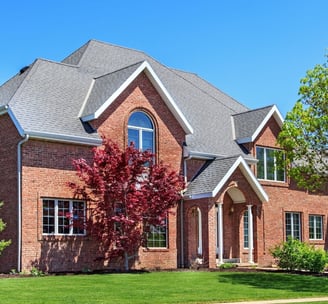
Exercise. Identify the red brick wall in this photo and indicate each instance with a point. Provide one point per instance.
(47, 167)
(9, 139)
(285, 197)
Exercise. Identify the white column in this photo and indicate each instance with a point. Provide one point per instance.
(200, 233)
(250, 234)
(220, 232)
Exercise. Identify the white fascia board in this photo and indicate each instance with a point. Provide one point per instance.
(168, 99)
(253, 181)
(279, 119)
(202, 155)
(240, 162)
(13, 119)
(3, 109)
(145, 67)
(87, 97)
(65, 138)
(198, 196)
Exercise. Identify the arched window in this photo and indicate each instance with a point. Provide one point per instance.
(141, 131)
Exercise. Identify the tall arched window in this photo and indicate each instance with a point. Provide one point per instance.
(141, 131)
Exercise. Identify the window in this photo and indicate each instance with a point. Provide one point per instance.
(65, 217)
(246, 230)
(293, 225)
(315, 227)
(267, 164)
(141, 132)
(157, 236)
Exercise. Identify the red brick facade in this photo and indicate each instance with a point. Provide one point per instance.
(47, 167)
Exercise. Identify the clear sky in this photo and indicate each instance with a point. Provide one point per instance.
(254, 50)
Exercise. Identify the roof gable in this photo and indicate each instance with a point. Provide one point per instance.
(248, 125)
(104, 90)
(211, 180)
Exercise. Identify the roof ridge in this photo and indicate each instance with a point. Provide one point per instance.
(205, 92)
(121, 69)
(253, 110)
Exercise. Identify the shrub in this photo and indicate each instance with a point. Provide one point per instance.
(227, 266)
(3, 243)
(295, 255)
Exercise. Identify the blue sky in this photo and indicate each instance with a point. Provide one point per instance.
(255, 51)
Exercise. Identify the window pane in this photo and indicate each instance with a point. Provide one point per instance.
(63, 217)
(78, 211)
(293, 225)
(133, 136)
(280, 157)
(246, 229)
(147, 141)
(140, 119)
(296, 226)
(311, 227)
(288, 225)
(270, 164)
(260, 164)
(315, 227)
(157, 237)
(48, 216)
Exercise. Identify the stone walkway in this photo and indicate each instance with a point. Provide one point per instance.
(285, 301)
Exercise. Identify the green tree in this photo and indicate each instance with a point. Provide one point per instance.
(3, 243)
(304, 134)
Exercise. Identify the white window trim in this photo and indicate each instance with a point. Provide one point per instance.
(315, 226)
(166, 236)
(292, 224)
(141, 130)
(275, 165)
(71, 227)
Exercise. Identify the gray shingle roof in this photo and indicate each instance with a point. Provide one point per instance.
(50, 96)
(212, 178)
(246, 123)
(104, 86)
(208, 179)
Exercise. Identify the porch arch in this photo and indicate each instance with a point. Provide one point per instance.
(194, 235)
(229, 209)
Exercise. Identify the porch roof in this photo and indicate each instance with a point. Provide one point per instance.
(216, 173)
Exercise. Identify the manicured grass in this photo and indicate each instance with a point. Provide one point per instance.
(161, 287)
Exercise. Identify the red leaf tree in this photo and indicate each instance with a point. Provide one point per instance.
(128, 193)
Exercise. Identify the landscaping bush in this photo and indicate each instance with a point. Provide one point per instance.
(3, 243)
(295, 255)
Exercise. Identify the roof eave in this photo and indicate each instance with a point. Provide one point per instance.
(65, 138)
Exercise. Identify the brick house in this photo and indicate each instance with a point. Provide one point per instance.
(236, 206)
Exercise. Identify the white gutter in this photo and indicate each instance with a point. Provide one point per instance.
(19, 191)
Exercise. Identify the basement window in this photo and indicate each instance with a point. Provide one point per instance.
(63, 217)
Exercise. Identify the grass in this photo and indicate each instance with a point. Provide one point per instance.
(161, 287)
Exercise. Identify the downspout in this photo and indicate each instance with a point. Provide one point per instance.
(187, 156)
(19, 191)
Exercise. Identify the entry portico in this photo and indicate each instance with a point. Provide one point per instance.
(227, 211)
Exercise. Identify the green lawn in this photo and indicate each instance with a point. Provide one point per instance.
(161, 287)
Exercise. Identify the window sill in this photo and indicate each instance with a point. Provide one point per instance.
(61, 238)
(265, 182)
(317, 242)
(153, 249)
